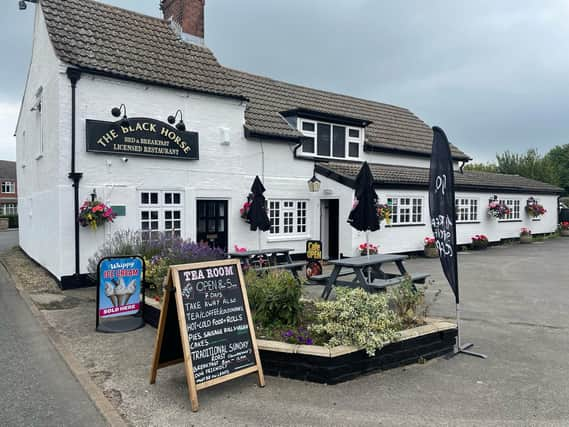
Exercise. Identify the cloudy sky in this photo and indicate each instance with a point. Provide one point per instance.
(493, 74)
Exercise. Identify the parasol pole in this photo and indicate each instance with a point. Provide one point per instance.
(367, 250)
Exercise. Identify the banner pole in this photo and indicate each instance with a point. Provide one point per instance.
(459, 348)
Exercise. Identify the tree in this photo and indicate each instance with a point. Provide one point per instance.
(559, 157)
(530, 165)
(481, 167)
(552, 168)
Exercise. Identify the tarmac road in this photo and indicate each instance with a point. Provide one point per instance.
(36, 387)
(8, 239)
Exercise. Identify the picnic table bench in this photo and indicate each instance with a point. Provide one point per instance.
(362, 268)
(272, 257)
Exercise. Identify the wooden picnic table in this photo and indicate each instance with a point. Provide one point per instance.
(359, 266)
(271, 254)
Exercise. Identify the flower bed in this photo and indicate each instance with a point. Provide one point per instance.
(333, 365)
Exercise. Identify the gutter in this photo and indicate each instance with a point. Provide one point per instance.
(74, 75)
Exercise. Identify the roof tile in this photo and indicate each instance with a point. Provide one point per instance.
(386, 175)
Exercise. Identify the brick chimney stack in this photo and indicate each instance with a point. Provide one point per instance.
(187, 17)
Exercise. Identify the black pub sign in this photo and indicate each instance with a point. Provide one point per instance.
(142, 137)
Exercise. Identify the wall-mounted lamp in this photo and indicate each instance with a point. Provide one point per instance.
(116, 111)
(180, 125)
(314, 184)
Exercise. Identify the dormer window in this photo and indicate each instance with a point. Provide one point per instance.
(324, 139)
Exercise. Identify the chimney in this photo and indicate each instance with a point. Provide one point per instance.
(186, 17)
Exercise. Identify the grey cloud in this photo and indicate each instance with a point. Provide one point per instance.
(492, 74)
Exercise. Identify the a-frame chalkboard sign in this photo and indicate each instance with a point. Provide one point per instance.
(206, 324)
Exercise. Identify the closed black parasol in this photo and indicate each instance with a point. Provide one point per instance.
(257, 215)
(363, 216)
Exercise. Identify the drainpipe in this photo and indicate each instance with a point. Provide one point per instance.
(74, 75)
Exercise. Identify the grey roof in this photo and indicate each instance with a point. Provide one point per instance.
(7, 170)
(394, 176)
(115, 41)
(391, 128)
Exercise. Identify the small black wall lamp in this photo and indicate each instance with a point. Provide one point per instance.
(116, 111)
(180, 125)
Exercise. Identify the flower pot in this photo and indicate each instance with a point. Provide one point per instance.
(431, 252)
(564, 232)
(526, 238)
(479, 246)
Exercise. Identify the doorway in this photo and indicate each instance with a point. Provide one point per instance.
(212, 223)
(330, 228)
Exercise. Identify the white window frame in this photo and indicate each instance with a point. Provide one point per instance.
(466, 203)
(512, 203)
(295, 216)
(348, 139)
(8, 187)
(396, 213)
(163, 209)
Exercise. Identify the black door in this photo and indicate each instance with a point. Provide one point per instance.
(334, 228)
(212, 223)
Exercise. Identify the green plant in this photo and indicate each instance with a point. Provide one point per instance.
(122, 243)
(356, 318)
(409, 303)
(274, 298)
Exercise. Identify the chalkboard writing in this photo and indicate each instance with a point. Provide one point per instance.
(216, 321)
(206, 323)
(442, 206)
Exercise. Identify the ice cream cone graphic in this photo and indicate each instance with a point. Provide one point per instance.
(130, 289)
(110, 293)
(120, 292)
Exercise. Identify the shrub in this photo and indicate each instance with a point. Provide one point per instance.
(409, 303)
(158, 254)
(274, 298)
(356, 318)
(173, 252)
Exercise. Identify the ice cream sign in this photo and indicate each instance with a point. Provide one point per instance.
(120, 291)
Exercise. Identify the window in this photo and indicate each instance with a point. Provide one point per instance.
(9, 209)
(406, 210)
(329, 140)
(466, 210)
(8, 187)
(514, 205)
(288, 217)
(160, 211)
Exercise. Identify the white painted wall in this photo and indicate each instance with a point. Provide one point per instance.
(38, 174)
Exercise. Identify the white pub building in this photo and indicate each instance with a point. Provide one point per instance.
(89, 59)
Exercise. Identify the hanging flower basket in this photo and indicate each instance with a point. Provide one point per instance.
(94, 214)
(479, 241)
(498, 209)
(534, 209)
(384, 213)
(244, 211)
